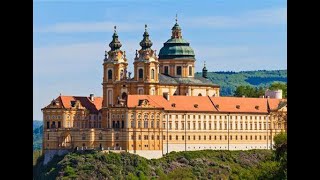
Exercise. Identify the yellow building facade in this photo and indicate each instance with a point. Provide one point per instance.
(162, 108)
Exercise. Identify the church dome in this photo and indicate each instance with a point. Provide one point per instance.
(176, 47)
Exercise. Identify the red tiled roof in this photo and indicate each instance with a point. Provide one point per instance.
(203, 103)
(240, 105)
(274, 103)
(93, 107)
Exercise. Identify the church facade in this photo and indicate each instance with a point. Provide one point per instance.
(162, 108)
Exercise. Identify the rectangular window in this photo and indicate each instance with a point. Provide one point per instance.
(164, 125)
(199, 127)
(48, 125)
(215, 137)
(194, 125)
(176, 137)
(205, 137)
(241, 137)
(139, 137)
(260, 126)
(230, 125)
(177, 125)
(179, 70)
(225, 137)
(170, 125)
(194, 137)
(59, 124)
(188, 125)
(188, 137)
(204, 125)
(190, 70)
(199, 137)
(158, 137)
(230, 137)
(220, 137)
(210, 126)
(152, 137)
(209, 137)
(265, 137)
(236, 137)
(164, 137)
(166, 70)
(182, 137)
(225, 126)
(182, 126)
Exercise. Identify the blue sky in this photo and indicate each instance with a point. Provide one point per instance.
(70, 37)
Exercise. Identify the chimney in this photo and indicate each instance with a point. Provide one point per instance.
(91, 97)
(166, 96)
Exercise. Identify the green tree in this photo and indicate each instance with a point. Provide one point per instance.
(280, 145)
(279, 85)
(249, 91)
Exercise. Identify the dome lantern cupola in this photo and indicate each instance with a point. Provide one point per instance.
(115, 43)
(176, 47)
(146, 42)
(176, 30)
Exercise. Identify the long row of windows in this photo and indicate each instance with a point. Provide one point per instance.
(205, 137)
(217, 117)
(75, 117)
(220, 137)
(146, 124)
(218, 126)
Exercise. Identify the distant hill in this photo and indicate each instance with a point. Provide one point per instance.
(37, 135)
(230, 80)
(205, 164)
(36, 124)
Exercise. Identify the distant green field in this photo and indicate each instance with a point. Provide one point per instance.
(229, 81)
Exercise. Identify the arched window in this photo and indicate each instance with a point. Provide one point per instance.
(140, 73)
(124, 96)
(152, 73)
(109, 74)
(83, 136)
(190, 70)
(199, 94)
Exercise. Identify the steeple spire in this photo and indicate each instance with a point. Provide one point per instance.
(176, 18)
(115, 43)
(176, 30)
(204, 70)
(146, 42)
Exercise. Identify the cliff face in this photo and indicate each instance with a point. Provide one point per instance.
(206, 164)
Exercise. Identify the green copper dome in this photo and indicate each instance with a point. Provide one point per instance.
(176, 47)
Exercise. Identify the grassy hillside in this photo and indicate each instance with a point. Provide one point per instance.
(230, 80)
(205, 164)
(37, 135)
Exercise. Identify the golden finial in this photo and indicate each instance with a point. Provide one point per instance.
(115, 28)
(145, 27)
(176, 18)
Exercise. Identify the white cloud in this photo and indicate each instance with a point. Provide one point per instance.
(273, 16)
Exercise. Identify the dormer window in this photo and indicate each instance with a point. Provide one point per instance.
(257, 107)
(73, 103)
(217, 106)
(173, 105)
(238, 106)
(196, 105)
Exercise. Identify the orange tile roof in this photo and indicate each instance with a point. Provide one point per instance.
(204, 103)
(175, 103)
(93, 107)
(240, 105)
(274, 103)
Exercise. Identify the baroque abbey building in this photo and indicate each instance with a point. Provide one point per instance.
(162, 108)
